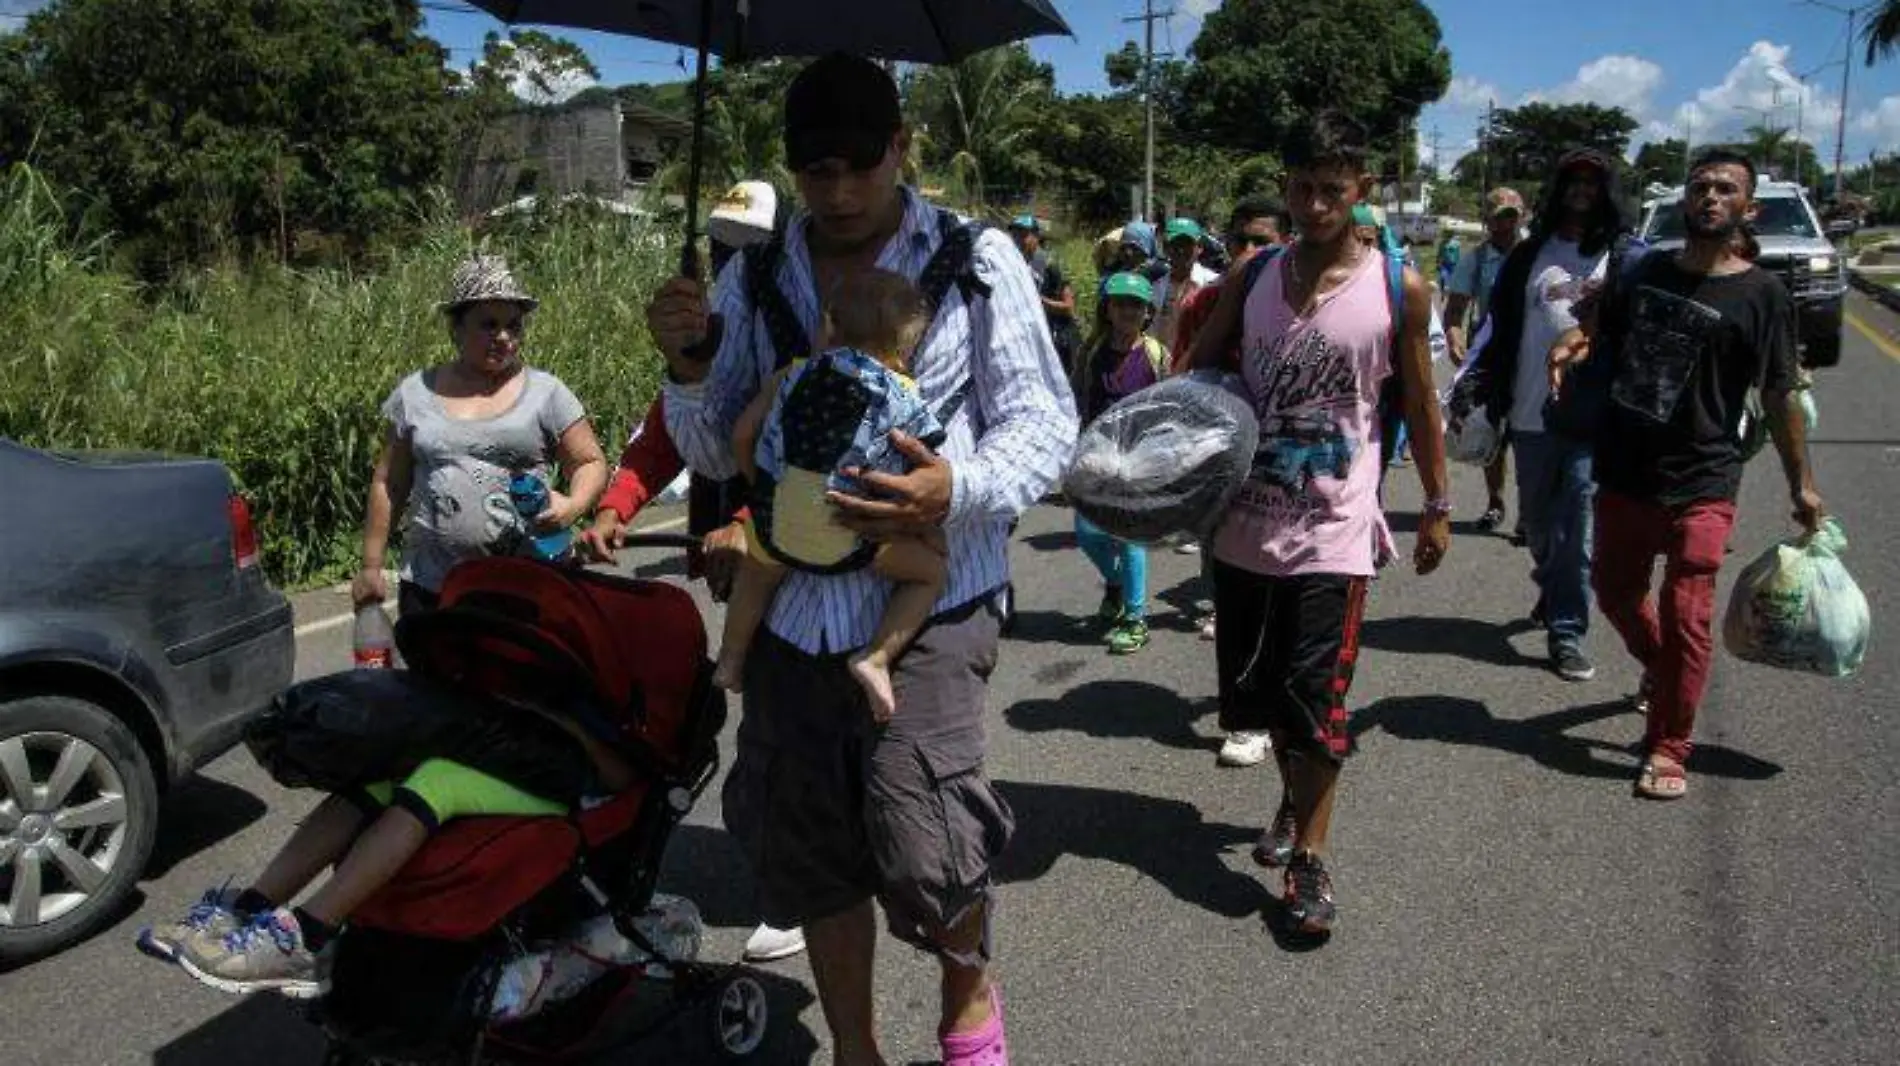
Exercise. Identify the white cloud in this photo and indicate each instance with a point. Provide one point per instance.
(1628, 82)
(1470, 93)
(1758, 90)
(1879, 127)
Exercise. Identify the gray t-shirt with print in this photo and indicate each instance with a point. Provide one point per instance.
(458, 500)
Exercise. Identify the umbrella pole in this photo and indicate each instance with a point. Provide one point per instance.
(689, 255)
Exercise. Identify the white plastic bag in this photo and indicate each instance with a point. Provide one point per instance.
(1163, 461)
(558, 971)
(1470, 435)
(1796, 608)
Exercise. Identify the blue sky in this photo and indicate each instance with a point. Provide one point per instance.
(1719, 64)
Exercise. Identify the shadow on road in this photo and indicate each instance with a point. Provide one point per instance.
(269, 1030)
(1545, 738)
(1406, 522)
(1054, 627)
(1167, 840)
(1466, 638)
(198, 815)
(1054, 540)
(707, 866)
(1117, 709)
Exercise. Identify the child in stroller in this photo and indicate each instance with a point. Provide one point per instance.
(814, 429)
(252, 939)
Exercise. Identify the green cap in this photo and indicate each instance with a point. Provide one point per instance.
(1182, 227)
(1130, 286)
(1026, 223)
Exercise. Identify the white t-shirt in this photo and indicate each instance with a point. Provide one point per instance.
(1556, 278)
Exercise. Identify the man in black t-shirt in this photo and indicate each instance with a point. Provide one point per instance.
(1688, 336)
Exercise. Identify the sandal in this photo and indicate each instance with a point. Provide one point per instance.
(983, 1046)
(1661, 782)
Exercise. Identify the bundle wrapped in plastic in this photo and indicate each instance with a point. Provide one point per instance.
(1165, 460)
(562, 969)
(1796, 608)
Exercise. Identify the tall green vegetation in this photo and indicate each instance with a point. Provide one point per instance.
(280, 373)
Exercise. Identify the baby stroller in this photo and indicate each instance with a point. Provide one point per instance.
(414, 974)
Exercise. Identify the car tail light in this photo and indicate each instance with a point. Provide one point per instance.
(243, 534)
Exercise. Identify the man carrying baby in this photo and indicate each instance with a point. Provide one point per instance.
(833, 809)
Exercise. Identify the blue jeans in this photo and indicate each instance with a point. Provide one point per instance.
(1123, 565)
(1555, 494)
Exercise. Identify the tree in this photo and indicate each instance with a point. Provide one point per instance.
(532, 66)
(1091, 148)
(1881, 34)
(203, 127)
(1522, 144)
(1663, 162)
(1259, 65)
(976, 117)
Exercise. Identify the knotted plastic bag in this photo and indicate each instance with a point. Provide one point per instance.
(1163, 461)
(1796, 608)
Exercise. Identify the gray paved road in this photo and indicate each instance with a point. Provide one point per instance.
(1503, 898)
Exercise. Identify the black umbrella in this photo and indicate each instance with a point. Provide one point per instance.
(922, 31)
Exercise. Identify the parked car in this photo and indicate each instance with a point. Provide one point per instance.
(138, 636)
(1794, 246)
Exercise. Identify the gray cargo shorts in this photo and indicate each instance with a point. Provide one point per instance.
(833, 811)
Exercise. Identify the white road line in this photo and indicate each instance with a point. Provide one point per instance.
(337, 621)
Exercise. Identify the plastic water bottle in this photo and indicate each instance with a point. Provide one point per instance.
(530, 497)
(374, 642)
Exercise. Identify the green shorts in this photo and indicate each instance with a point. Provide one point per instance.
(439, 790)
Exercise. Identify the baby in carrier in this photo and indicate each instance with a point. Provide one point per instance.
(810, 430)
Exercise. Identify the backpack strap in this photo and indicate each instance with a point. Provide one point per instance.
(1391, 407)
(790, 342)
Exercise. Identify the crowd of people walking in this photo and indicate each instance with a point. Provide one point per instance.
(872, 391)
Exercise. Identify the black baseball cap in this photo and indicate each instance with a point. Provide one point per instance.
(841, 107)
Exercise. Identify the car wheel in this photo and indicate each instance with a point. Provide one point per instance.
(78, 813)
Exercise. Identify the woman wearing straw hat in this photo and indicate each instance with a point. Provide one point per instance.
(460, 432)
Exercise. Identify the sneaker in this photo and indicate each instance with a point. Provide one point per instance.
(1207, 628)
(1244, 748)
(213, 915)
(1110, 611)
(1309, 895)
(268, 953)
(768, 944)
(1491, 519)
(1188, 547)
(1572, 664)
(1129, 635)
(1274, 849)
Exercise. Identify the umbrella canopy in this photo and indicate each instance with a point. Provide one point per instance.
(920, 31)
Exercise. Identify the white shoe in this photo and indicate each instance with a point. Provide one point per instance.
(1188, 547)
(770, 945)
(1245, 749)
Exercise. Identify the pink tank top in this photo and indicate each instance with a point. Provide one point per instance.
(1311, 505)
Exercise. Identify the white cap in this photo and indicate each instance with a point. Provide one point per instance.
(744, 215)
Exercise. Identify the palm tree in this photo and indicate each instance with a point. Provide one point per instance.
(978, 113)
(1882, 32)
(1766, 144)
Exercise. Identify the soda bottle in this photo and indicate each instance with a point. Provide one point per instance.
(374, 643)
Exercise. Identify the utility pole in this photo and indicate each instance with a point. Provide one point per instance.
(1147, 18)
(1484, 150)
(1688, 145)
(1847, 68)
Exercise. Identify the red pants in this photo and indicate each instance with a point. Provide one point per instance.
(1674, 645)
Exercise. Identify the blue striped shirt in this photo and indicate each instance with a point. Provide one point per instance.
(1007, 444)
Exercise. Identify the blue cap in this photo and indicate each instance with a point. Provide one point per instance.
(1141, 235)
(1026, 223)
